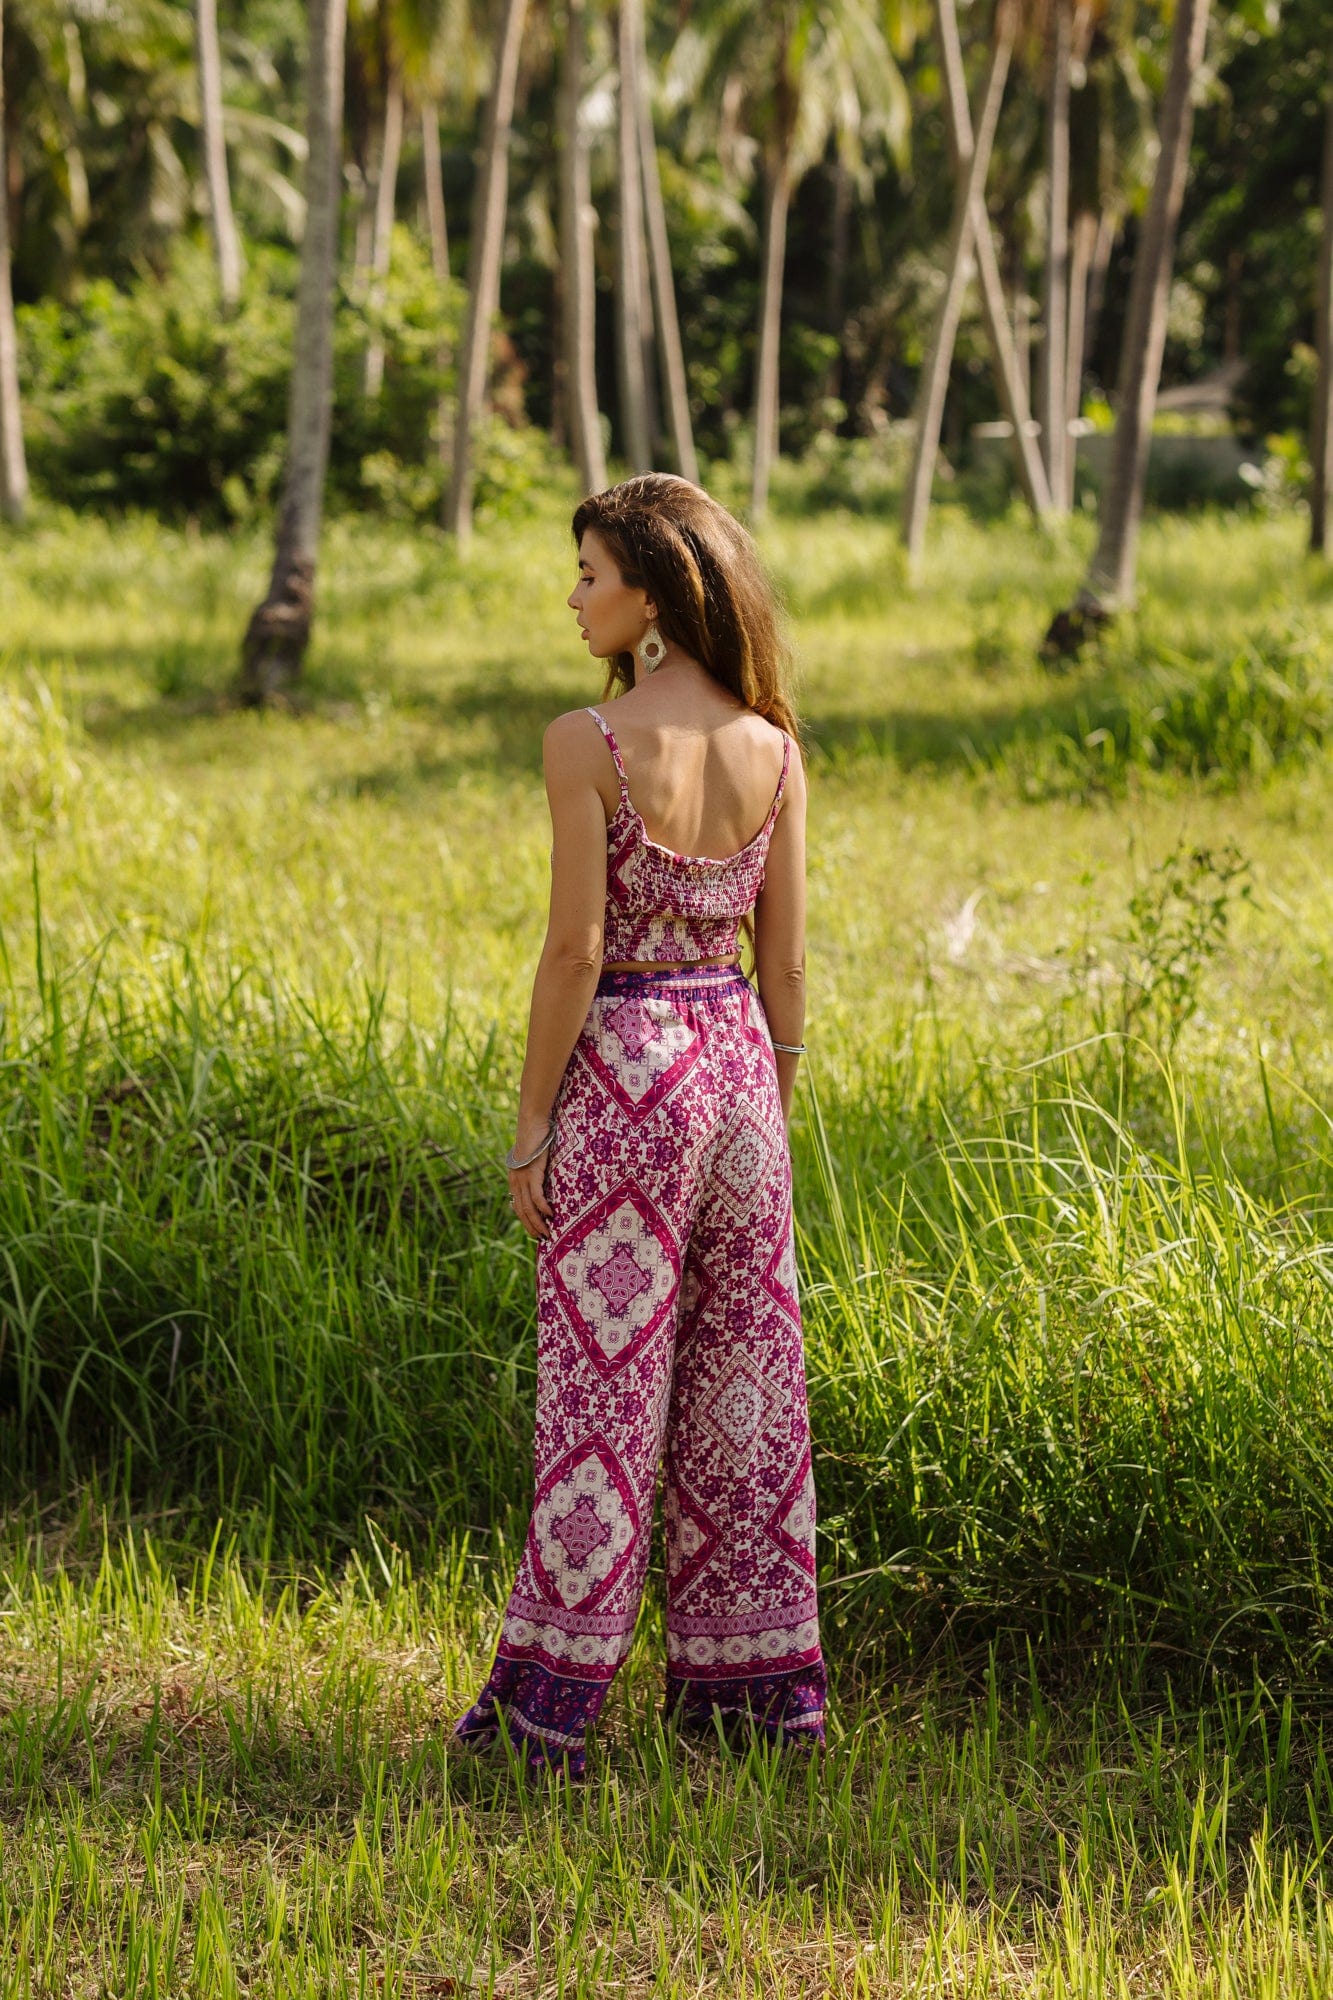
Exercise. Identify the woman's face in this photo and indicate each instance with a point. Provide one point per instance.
(613, 616)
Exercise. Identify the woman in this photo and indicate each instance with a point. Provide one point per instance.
(651, 1163)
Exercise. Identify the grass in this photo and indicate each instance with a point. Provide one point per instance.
(224, 1778)
(1064, 1168)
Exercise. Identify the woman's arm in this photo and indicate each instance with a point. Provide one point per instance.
(571, 960)
(779, 930)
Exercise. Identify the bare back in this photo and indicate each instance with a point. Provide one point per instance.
(702, 768)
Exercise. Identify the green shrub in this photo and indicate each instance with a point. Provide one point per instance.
(1239, 715)
(148, 397)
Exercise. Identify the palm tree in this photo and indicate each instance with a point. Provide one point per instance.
(432, 174)
(442, 59)
(632, 333)
(833, 75)
(226, 242)
(1110, 580)
(403, 46)
(13, 464)
(803, 72)
(664, 286)
(578, 296)
(484, 264)
(971, 233)
(1321, 440)
(279, 629)
(386, 189)
(1110, 140)
(972, 151)
(377, 32)
(1054, 399)
(76, 106)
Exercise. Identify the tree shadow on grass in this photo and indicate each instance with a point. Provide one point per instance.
(223, 1762)
(907, 739)
(494, 723)
(961, 739)
(512, 712)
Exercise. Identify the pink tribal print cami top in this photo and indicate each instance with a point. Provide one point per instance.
(662, 906)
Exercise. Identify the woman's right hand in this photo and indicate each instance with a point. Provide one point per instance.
(527, 1185)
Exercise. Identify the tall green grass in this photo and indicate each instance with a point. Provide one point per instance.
(1062, 1152)
(220, 1777)
(1064, 1172)
(1067, 1383)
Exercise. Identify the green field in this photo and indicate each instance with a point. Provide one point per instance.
(1064, 1164)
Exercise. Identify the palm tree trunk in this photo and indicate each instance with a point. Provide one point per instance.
(835, 286)
(933, 386)
(1054, 358)
(13, 463)
(1010, 380)
(578, 294)
(484, 265)
(1082, 239)
(652, 402)
(279, 629)
(76, 167)
(1019, 306)
(1108, 228)
(433, 171)
(439, 255)
(1321, 440)
(1015, 399)
(1110, 581)
(386, 192)
(226, 243)
(674, 384)
(630, 252)
(777, 200)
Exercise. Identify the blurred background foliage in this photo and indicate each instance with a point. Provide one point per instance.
(137, 392)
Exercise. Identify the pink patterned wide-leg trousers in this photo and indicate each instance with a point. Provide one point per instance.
(669, 1336)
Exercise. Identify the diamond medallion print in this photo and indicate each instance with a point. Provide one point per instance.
(620, 1279)
(633, 1026)
(615, 1273)
(744, 1160)
(584, 1523)
(581, 1531)
(738, 1408)
(662, 1042)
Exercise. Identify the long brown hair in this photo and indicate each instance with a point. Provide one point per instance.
(705, 575)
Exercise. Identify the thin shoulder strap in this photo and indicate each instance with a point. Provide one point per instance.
(782, 780)
(614, 748)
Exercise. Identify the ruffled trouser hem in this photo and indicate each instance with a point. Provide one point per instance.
(788, 1708)
(547, 1716)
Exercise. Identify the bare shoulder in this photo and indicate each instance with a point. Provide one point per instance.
(795, 768)
(779, 743)
(573, 743)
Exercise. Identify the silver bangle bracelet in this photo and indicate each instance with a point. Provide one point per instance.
(512, 1165)
(790, 1048)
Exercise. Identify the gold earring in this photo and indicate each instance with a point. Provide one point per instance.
(651, 649)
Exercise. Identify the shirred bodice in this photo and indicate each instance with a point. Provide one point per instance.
(663, 907)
